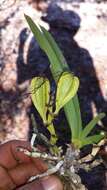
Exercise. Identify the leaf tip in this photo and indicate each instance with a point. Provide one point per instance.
(26, 16)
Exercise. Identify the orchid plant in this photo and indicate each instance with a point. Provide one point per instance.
(66, 93)
(68, 164)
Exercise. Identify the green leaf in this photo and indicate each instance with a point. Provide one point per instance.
(73, 117)
(67, 87)
(91, 140)
(91, 125)
(40, 90)
(78, 114)
(57, 52)
(72, 108)
(45, 44)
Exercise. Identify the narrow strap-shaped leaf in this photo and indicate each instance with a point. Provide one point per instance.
(78, 114)
(73, 115)
(91, 139)
(91, 125)
(72, 109)
(70, 112)
(56, 49)
(35, 28)
(45, 44)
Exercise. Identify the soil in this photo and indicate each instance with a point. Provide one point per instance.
(80, 30)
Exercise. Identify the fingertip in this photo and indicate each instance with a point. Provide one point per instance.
(20, 156)
(51, 183)
(47, 183)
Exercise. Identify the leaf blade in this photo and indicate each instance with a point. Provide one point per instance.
(91, 125)
(40, 95)
(91, 139)
(67, 87)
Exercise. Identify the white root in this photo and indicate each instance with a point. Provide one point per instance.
(48, 172)
(33, 140)
(36, 154)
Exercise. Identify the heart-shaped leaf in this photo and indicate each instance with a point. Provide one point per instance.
(40, 90)
(67, 87)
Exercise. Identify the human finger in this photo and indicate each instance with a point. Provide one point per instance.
(47, 183)
(10, 157)
(6, 182)
(21, 173)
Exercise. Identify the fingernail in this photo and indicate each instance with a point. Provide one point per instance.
(51, 183)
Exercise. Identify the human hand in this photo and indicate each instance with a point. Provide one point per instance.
(16, 168)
